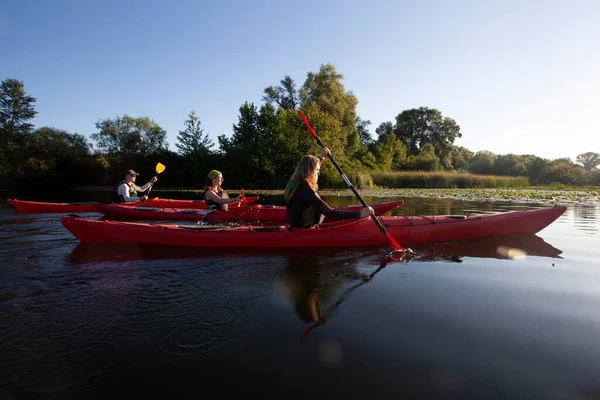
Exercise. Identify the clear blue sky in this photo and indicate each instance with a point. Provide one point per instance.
(518, 76)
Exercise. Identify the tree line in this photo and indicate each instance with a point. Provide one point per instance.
(263, 147)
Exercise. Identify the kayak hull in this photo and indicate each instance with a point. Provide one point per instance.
(345, 233)
(47, 207)
(251, 213)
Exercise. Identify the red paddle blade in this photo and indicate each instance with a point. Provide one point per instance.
(310, 129)
(393, 242)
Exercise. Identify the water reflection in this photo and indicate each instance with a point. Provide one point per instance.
(509, 247)
(316, 289)
(585, 218)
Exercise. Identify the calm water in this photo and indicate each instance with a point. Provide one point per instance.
(461, 321)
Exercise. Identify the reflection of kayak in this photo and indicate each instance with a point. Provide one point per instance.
(345, 233)
(45, 207)
(502, 247)
(252, 213)
(499, 247)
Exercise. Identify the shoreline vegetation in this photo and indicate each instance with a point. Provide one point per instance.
(413, 149)
(421, 184)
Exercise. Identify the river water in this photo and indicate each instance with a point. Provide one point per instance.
(513, 318)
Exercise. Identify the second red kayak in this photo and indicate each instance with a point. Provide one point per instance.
(251, 213)
(47, 207)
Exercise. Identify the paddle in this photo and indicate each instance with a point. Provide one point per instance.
(381, 228)
(325, 317)
(159, 169)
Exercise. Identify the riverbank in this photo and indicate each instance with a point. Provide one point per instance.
(543, 195)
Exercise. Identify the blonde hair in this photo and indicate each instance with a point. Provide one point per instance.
(306, 171)
(209, 178)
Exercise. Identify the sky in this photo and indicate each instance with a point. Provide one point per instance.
(518, 76)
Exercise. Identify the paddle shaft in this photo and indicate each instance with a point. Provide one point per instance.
(159, 169)
(350, 185)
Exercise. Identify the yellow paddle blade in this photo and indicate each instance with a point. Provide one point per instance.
(160, 168)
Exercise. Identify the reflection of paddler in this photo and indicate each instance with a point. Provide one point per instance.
(322, 317)
(310, 287)
(307, 308)
(302, 283)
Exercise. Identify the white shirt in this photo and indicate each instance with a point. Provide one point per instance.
(124, 190)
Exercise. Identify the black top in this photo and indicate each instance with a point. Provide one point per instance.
(214, 205)
(303, 199)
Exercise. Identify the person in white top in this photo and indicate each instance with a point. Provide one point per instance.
(128, 190)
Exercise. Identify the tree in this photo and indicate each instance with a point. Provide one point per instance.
(589, 160)
(419, 127)
(460, 157)
(482, 162)
(253, 150)
(59, 143)
(334, 104)
(562, 170)
(390, 152)
(426, 160)
(285, 96)
(363, 132)
(325, 88)
(128, 136)
(16, 109)
(192, 142)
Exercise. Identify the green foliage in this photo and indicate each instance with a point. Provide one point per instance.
(129, 137)
(460, 157)
(390, 153)
(426, 160)
(589, 160)
(285, 96)
(419, 127)
(192, 142)
(426, 179)
(482, 162)
(253, 152)
(415, 151)
(562, 171)
(364, 136)
(16, 110)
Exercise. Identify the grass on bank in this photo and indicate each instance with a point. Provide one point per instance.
(428, 180)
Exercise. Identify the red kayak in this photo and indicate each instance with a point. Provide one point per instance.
(344, 233)
(44, 207)
(252, 213)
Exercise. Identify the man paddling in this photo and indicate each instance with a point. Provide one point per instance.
(128, 190)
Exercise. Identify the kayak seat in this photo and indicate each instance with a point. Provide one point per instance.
(190, 211)
(457, 216)
(141, 208)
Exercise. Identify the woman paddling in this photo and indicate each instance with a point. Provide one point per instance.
(214, 195)
(305, 208)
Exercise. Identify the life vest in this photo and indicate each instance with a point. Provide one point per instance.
(311, 216)
(214, 205)
(132, 192)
